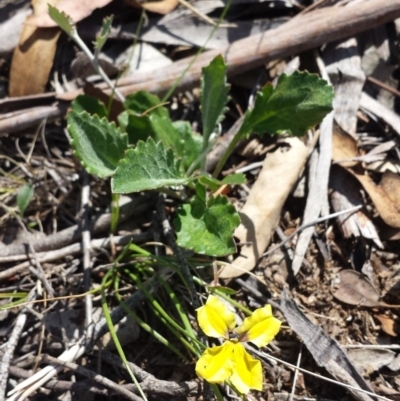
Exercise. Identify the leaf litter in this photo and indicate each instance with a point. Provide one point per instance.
(354, 311)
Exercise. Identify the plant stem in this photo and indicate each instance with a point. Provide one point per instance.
(96, 65)
(226, 155)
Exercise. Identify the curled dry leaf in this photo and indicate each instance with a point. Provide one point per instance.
(261, 213)
(77, 10)
(33, 57)
(368, 360)
(389, 325)
(385, 195)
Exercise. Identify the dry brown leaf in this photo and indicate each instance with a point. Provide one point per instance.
(390, 183)
(261, 213)
(158, 6)
(368, 360)
(345, 193)
(353, 288)
(387, 203)
(386, 195)
(344, 147)
(33, 57)
(77, 10)
(389, 326)
(32, 60)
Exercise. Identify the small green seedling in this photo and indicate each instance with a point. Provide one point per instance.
(149, 151)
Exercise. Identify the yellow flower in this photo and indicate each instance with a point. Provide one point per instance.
(230, 361)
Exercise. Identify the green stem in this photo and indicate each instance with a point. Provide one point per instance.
(226, 155)
(96, 65)
(178, 81)
(114, 336)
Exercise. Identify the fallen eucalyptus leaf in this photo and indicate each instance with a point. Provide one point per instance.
(368, 360)
(262, 211)
(354, 288)
(385, 195)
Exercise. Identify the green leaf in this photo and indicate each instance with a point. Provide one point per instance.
(210, 182)
(214, 96)
(235, 179)
(189, 145)
(62, 20)
(24, 196)
(207, 228)
(90, 104)
(137, 127)
(216, 289)
(104, 32)
(141, 127)
(144, 102)
(201, 192)
(148, 166)
(164, 131)
(98, 143)
(297, 103)
(145, 118)
(214, 184)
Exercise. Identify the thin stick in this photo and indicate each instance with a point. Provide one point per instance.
(85, 194)
(11, 344)
(94, 376)
(312, 223)
(195, 11)
(72, 250)
(384, 86)
(296, 373)
(264, 355)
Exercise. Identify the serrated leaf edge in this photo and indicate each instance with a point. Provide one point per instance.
(76, 152)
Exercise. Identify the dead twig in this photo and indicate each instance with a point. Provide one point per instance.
(93, 376)
(305, 32)
(80, 387)
(73, 249)
(10, 348)
(312, 223)
(135, 206)
(85, 194)
(151, 384)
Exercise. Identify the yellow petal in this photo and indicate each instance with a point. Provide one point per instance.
(215, 319)
(247, 371)
(260, 328)
(215, 364)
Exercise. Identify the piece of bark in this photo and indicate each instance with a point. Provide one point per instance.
(343, 64)
(371, 105)
(318, 189)
(325, 350)
(346, 193)
(302, 33)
